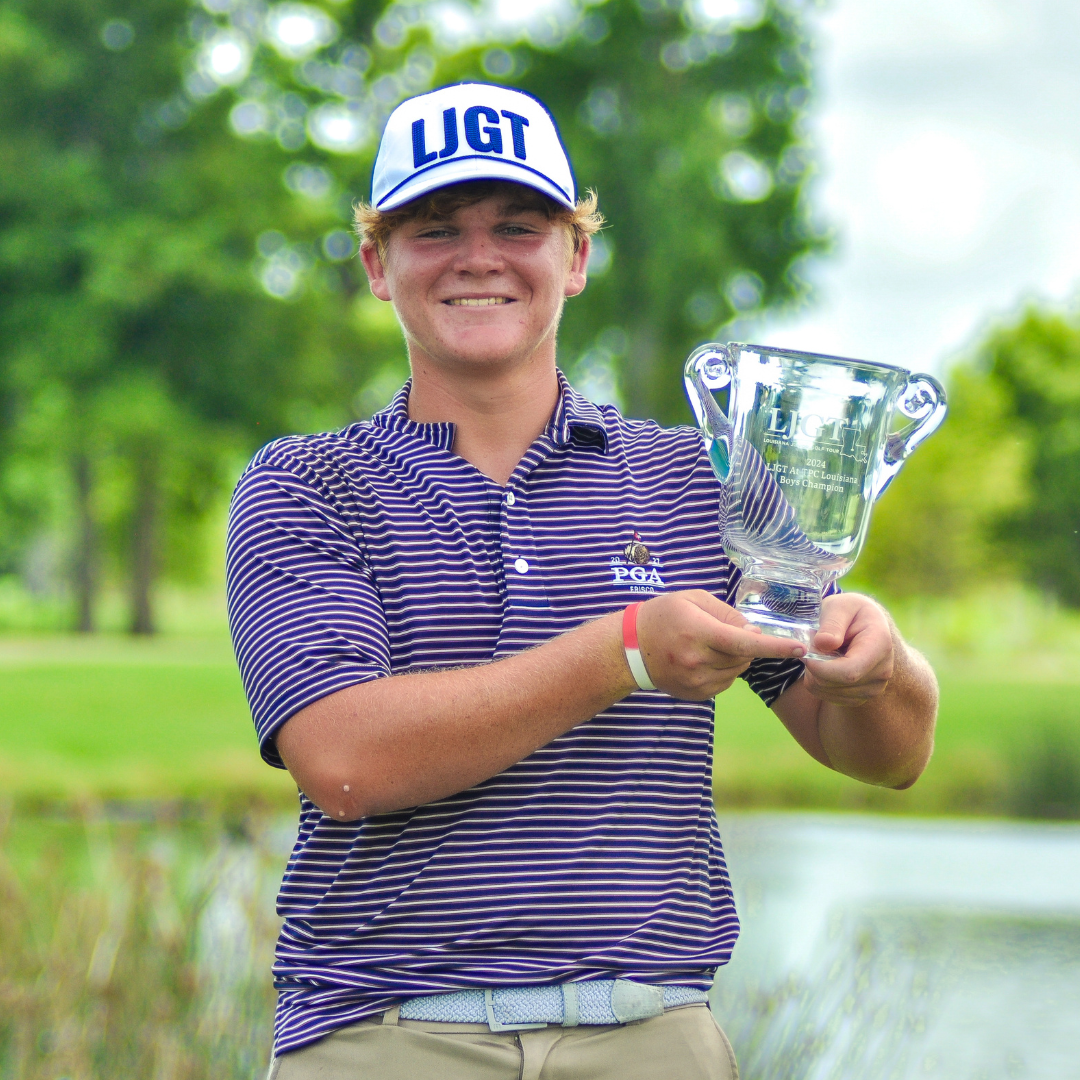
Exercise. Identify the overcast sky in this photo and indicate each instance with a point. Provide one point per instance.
(949, 135)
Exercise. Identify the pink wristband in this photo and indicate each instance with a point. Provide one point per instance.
(630, 647)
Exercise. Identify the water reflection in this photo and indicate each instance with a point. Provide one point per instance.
(876, 948)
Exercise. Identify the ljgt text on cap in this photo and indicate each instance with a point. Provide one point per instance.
(470, 131)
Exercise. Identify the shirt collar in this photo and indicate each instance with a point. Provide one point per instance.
(395, 417)
(576, 419)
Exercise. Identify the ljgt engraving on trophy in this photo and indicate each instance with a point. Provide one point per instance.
(835, 433)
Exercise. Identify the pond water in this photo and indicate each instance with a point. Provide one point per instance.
(875, 948)
(872, 948)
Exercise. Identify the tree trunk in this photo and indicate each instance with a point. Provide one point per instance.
(85, 568)
(144, 537)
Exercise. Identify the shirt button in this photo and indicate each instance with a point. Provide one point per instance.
(510, 500)
(521, 566)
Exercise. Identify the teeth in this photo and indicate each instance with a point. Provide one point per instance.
(485, 301)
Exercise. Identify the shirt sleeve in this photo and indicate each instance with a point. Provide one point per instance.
(768, 677)
(305, 615)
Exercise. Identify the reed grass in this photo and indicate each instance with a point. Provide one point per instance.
(137, 950)
(141, 949)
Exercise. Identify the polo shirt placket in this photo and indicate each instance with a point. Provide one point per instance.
(526, 587)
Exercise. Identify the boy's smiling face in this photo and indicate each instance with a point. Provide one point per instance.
(482, 287)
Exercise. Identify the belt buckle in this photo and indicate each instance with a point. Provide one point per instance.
(636, 1001)
(495, 1025)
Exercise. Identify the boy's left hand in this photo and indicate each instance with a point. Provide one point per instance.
(862, 634)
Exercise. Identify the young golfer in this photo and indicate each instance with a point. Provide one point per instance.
(484, 631)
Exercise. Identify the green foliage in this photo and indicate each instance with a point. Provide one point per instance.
(140, 357)
(171, 296)
(934, 530)
(691, 137)
(1047, 784)
(1036, 363)
(996, 492)
(691, 132)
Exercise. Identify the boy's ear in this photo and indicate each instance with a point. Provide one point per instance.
(579, 262)
(376, 271)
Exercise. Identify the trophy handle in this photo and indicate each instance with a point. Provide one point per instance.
(922, 400)
(711, 367)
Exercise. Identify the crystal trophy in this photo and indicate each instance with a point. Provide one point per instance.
(803, 445)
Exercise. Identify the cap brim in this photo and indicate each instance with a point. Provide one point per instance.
(475, 167)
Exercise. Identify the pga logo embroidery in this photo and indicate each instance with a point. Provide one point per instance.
(637, 570)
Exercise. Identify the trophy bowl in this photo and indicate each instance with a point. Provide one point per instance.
(803, 444)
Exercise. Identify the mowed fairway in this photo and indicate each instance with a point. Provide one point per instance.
(119, 718)
(164, 719)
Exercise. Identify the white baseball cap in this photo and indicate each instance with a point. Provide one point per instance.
(470, 131)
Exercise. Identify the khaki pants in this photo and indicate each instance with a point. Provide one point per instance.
(685, 1043)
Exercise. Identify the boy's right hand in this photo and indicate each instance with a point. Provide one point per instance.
(695, 646)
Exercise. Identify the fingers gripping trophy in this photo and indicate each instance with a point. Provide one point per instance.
(803, 445)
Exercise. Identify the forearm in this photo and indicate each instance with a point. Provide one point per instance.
(410, 739)
(886, 740)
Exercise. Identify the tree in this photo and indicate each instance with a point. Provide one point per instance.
(689, 133)
(1035, 362)
(131, 316)
(996, 493)
(171, 295)
(935, 530)
(688, 127)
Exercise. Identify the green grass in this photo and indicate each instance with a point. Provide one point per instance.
(110, 717)
(1008, 733)
(114, 718)
(1002, 747)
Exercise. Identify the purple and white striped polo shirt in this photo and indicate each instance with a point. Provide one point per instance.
(377, 551)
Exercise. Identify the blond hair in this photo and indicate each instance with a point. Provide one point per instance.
(374, 227)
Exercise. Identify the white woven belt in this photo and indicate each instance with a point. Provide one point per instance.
(599, 1001)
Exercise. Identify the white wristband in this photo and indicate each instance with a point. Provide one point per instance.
(633, 653)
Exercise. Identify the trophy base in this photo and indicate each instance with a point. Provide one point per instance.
(783, 611)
